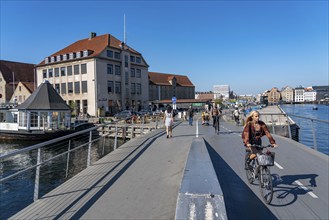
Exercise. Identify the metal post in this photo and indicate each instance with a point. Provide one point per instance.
(314, 137)
(273, 130)
(197, 128)
(116, 136)
(156, 122)
(289, 130)
(89, 149)
(68, 159)
(37, 177)
(142, 125)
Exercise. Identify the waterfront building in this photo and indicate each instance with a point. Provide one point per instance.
(322, 92)
(98, 76)
(11, 74)
(287, 94)
(309, 95)
(22, 92)
(164, 86)
(221, 91)
(299, 94)
(274, 96)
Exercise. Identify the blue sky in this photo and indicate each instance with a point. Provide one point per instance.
(250, 45)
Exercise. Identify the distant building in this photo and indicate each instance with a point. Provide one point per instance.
(322, 92)
(299, 94)
(99, 75)
(287, 94)
(205, 95)
(309, 95)
(11, 74)
(164, 86)
(221, 91)
(22, 92)
(274, 96)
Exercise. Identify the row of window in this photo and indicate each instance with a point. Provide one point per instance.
(69, 56)
(117, 55)
(70, 87)
(63, 71)
(115, 87)
(117, 71)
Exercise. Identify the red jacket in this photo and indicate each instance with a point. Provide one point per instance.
(249, 129)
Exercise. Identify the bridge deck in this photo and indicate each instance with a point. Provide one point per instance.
(142, 178)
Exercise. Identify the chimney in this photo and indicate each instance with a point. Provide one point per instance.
(92, 35)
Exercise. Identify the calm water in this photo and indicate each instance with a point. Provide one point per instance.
(305, 133)
(17, 193)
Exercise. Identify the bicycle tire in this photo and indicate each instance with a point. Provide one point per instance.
(265, 184)
(249, 173)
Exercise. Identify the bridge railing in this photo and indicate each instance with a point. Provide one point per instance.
(79, 149)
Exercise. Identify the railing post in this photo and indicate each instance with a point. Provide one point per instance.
(142, 125)
(89, 149)
(156, 122)
(289, 130)
(197, 128)
(273, 130)
(68, 159)
(314, 136)
(116, 136)
(37, 176)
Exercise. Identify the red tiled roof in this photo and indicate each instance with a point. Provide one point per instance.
(96, 45)
(23, 72)
(164, 78)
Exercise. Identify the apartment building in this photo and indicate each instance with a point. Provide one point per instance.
(164, 86)
(299, 94)
(221, 91)
(309, 95)
(287, 94)
(11, 74)
(98, 76)
(274, 96)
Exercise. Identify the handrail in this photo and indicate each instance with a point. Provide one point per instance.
(52, 144)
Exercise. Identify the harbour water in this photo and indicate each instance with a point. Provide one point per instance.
(321, 129)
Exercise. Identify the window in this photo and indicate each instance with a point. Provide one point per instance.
(20, 88)
(132, 72)
(70, 87)
(69, 70)
(138, 60)
(56, 72)
(50, 73)
(62, 71)
(117, 70)
(126, 61)
(110, 86)
(109, 53)
(117, 55)
(83, 68)
(139, 88)
(77, 87)
(133, 88)
(44, 73)
(117, 87)
(84, 87)
(132, 58)
(34, 119)
(138, 73)
(63, 88)
(76, 69)
(109, 68)
(57, 88)
(127, 78)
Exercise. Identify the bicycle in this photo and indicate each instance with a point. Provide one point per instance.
(259, 168)
(216, 124)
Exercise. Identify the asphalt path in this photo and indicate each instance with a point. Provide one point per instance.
(300, 177)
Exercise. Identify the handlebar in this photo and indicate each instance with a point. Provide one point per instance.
(262, 146)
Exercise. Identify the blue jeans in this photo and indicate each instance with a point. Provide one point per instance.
(190, 120)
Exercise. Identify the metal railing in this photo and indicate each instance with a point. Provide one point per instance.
(65, 147)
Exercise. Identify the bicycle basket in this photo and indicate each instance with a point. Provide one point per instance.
(266, 159)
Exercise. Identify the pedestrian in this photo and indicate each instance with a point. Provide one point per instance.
(168, 120)
(190, 115)
(184, 115)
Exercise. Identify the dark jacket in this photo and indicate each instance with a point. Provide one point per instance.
(249, 133)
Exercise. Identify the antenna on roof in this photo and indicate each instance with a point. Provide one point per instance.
(124, 28)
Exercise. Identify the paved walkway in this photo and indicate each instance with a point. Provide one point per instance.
(140, 180)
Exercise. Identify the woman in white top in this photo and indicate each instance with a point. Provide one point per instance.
(169, 121)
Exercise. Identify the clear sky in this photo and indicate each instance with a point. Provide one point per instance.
(249, 45)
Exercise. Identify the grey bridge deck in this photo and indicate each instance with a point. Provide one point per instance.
(142, 178)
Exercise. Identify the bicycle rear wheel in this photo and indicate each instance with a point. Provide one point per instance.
(265, 184)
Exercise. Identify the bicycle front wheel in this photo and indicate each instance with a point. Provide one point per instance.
(249, 172)
(265, 184)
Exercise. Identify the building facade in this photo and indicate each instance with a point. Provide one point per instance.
(274, 96)
(299, 94)
(309, 95)
(221, 91)
(164, 86)
(11, 74)
(98, 76)
(287, 94)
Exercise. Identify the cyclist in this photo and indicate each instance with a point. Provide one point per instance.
(215, 114)
(253, 131)
(236, 115)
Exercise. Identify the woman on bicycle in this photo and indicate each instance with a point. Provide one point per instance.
(253, 131)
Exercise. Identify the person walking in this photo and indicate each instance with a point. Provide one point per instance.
(190, 115)
(169, 121)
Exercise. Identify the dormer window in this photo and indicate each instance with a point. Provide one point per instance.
(47, 60)
(78, 54)
(59, 58)
(72, 56)
(52, 59)
(65, 57)
(85, 53)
